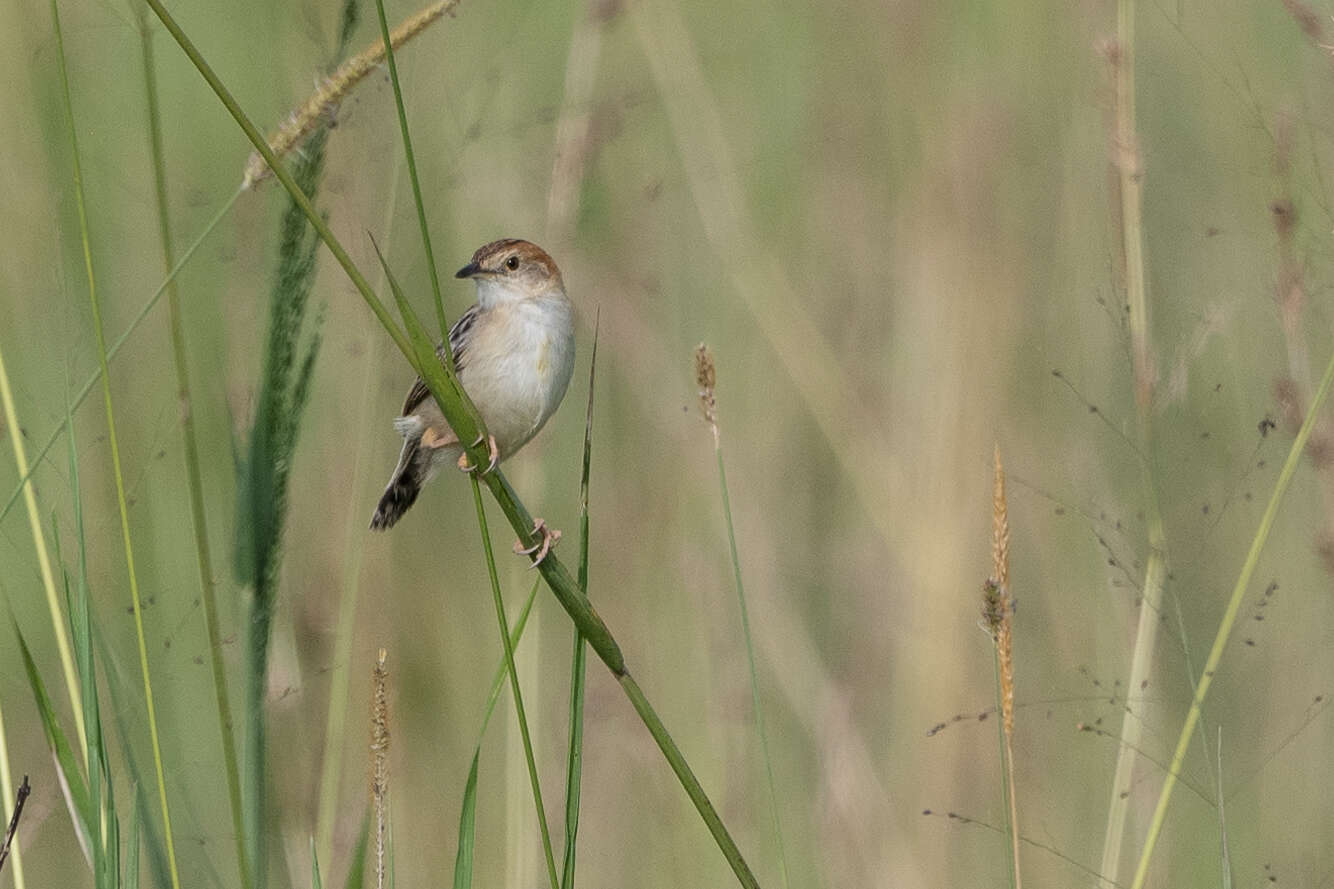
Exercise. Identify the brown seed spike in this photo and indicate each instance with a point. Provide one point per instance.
(706, 375)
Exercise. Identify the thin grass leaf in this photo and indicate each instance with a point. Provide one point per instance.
(95, 305)
(315, 881)
(194, 475)
(356, 868)
(463, 859)
(67, 765)
(575, 755)
(132, 848)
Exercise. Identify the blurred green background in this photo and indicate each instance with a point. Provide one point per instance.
(892, 222)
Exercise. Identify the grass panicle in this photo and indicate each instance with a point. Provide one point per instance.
(117, 473)
(458, 411)
(998, 618)
(263, 475)
(706, 377)
(380, 762)
(319, 109)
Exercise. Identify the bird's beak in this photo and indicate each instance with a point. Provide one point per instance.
(468, 270)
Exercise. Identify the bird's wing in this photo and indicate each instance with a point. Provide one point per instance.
(458, 340)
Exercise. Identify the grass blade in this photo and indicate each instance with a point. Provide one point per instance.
(194, 478)
(467, 828)
(95, 303)
(67, 766)
(578, 671)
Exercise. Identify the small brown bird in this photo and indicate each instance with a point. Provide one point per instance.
(514, 354)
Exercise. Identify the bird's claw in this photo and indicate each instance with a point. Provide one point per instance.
(495, 457)
(547, 538)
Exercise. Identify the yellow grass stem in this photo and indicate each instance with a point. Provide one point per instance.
(8, 806)
(1003, 623)
(43, 559)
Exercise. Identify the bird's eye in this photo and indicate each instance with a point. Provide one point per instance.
(512, 263)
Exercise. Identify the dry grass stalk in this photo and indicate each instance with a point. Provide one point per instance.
(380, 762)
(323, 103)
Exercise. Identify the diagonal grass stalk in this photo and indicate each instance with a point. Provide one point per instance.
(578, 671)
(194, 478)
(1229, 618)
(87, 387)
(43, 558)
(458, 411)
(115, 447)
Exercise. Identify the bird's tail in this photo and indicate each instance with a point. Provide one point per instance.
(413, 470)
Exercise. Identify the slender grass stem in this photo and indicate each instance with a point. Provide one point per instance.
(458, 411)
(578, 671)
(194, 478)
(1130, 186)
(112, 439)
(514, 684)
(1007, 798)
(756, 703)
(412, 176)
(43, 558)
(1229, 619)
(88, 384)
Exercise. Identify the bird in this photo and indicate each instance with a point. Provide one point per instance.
(514, 354)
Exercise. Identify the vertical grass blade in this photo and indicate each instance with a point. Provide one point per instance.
(575, 757)
(706, 376)
(514, 686)
(112, 439)
(194, 478)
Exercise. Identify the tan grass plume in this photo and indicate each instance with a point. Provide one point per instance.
(380, 761)
(323, 103)
(998, 613)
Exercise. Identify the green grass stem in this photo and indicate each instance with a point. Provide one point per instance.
(514, 684)
(194, 478)
(412, 176)
(578, 660)
(1229, 619)
(1011, 828)
(458, 410)
(95, 304)
(43, 558)
(756, 703)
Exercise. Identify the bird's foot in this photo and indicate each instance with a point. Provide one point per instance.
(495, 457)
(547, 538)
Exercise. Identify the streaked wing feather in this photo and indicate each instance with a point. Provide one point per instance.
(458, 341)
